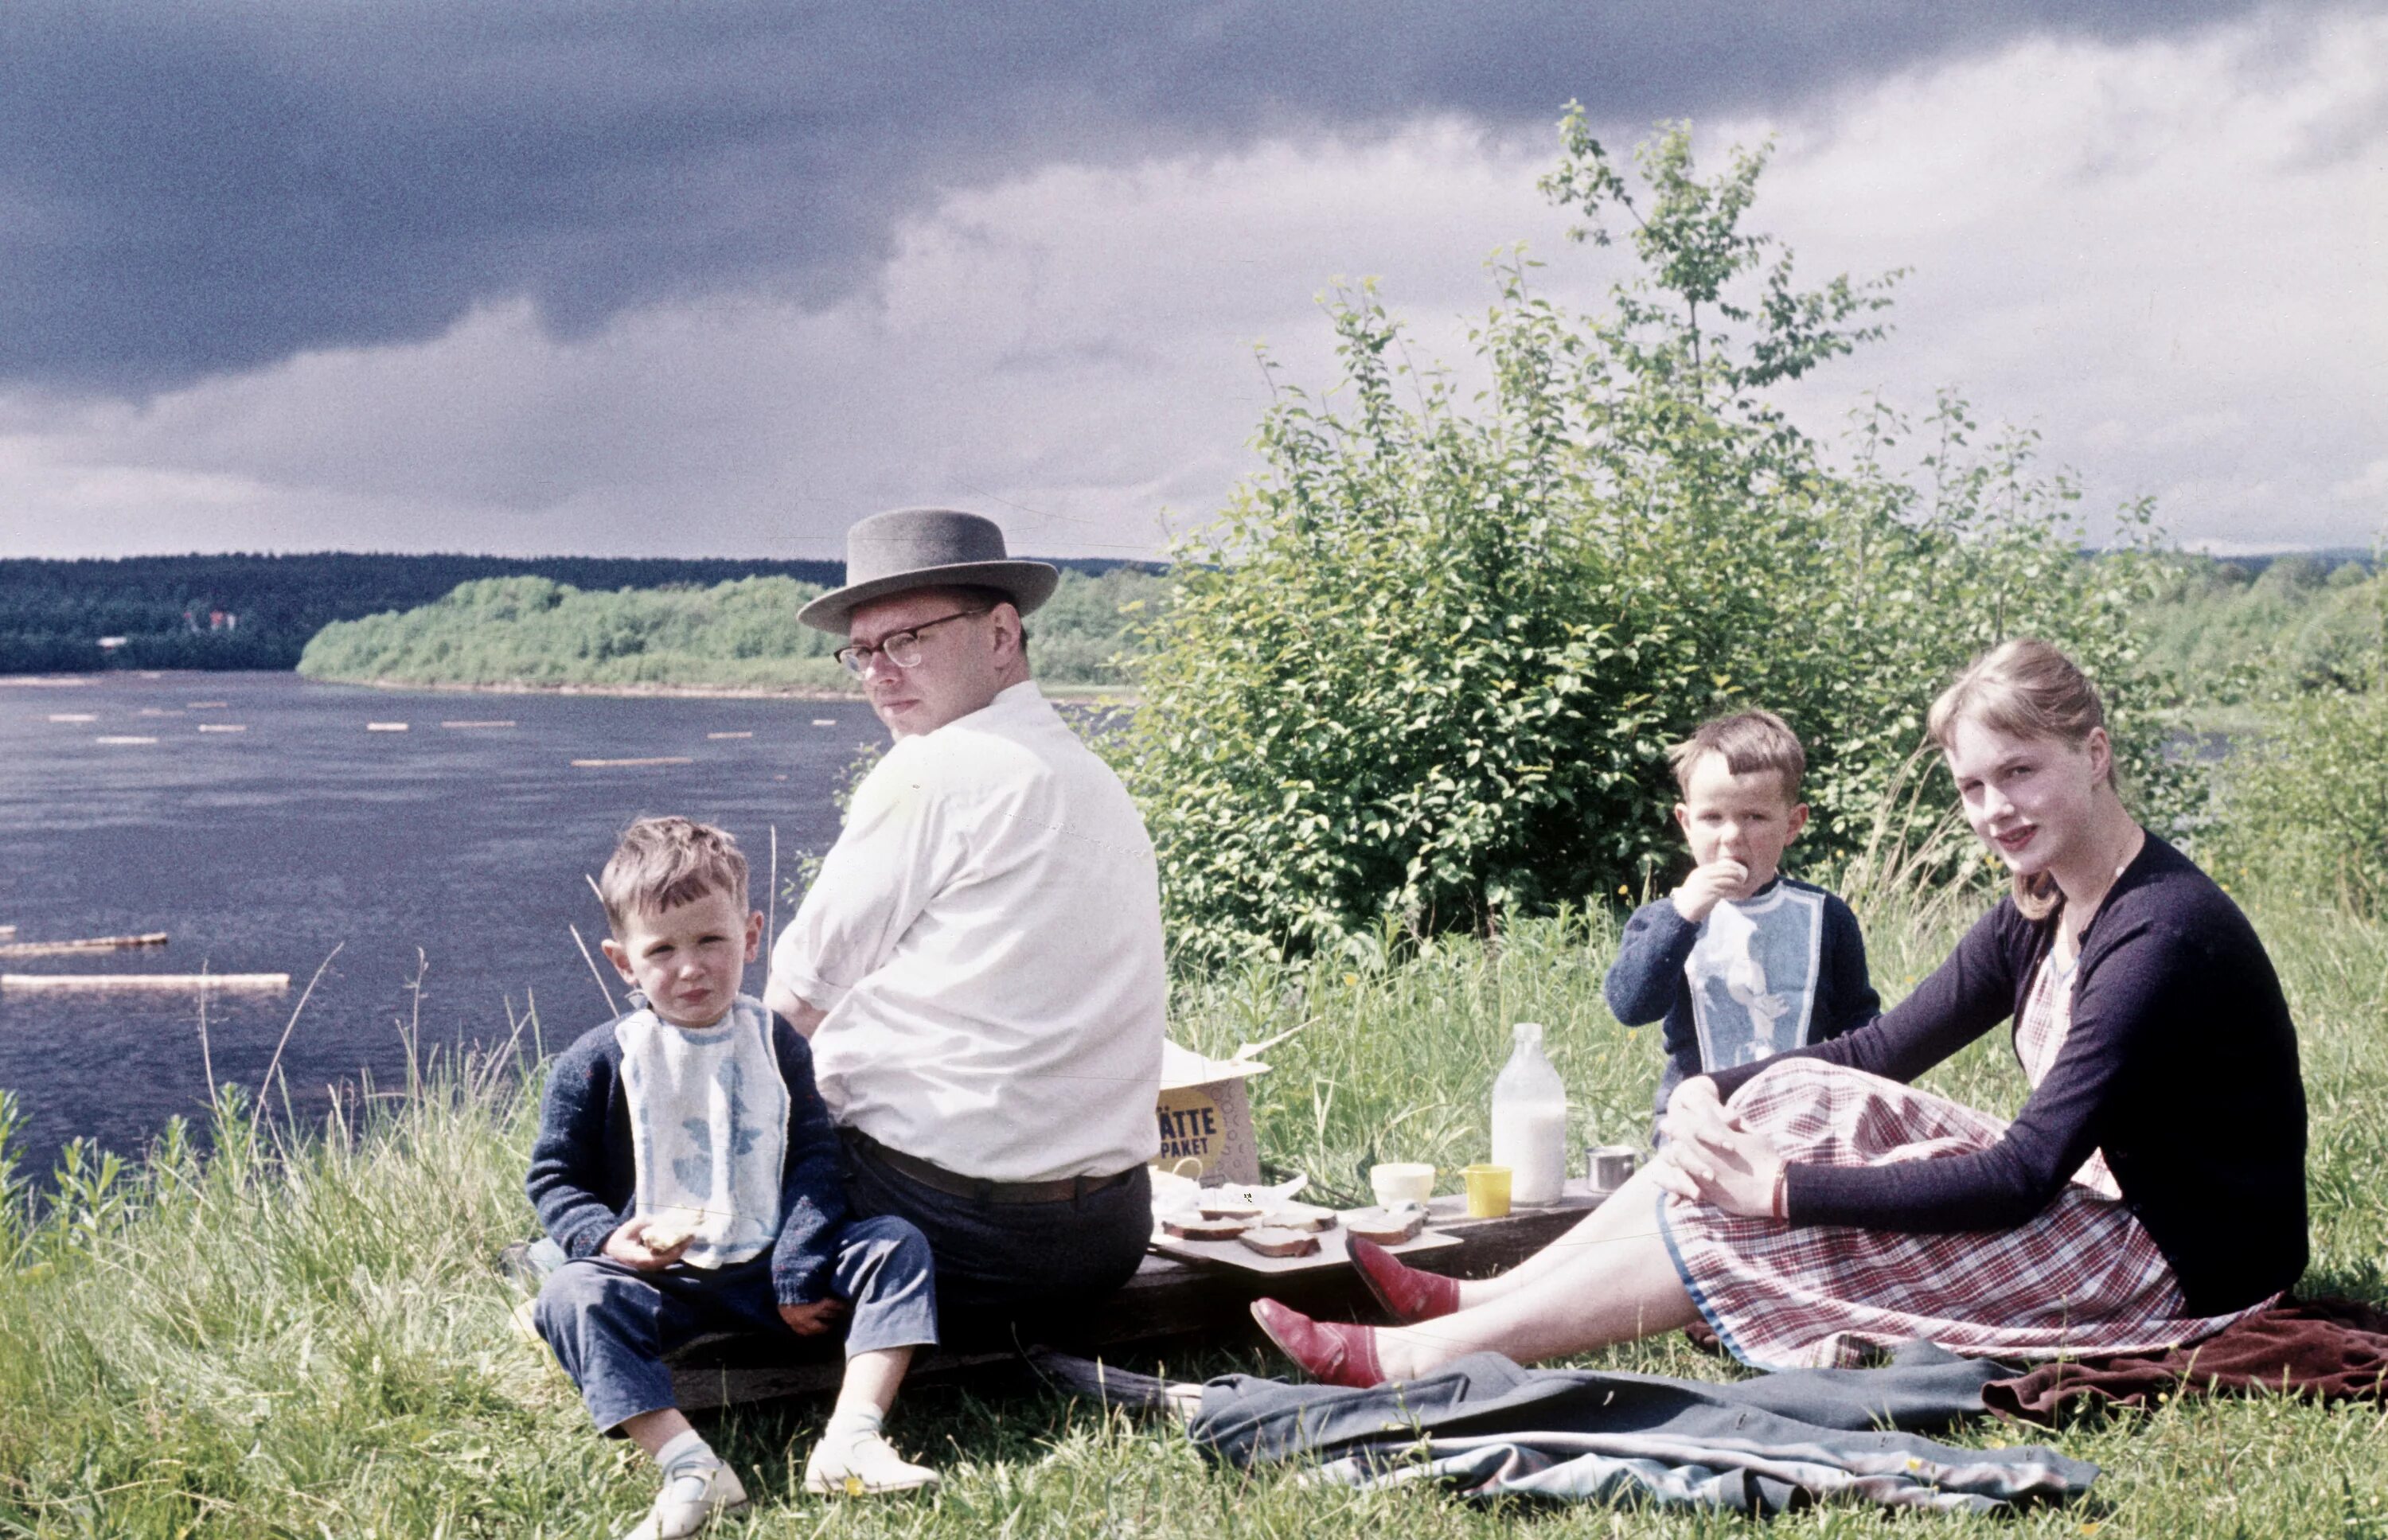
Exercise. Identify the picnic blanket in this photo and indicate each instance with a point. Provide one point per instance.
(2326, 1349)
(1489, 1428)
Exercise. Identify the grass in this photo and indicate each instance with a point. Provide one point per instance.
(309, 1338)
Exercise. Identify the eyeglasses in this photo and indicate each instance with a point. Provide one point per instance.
(901, 648)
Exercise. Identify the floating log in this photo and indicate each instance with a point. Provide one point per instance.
(203, 705)
(824, 721)
(385, 727)
(122, 737)
(223, 727)
(729, 735)
(8, 930)
(161, 711)
(617, 764)
(74, 716)
(494, 722)
(100, 983)
(88, 943)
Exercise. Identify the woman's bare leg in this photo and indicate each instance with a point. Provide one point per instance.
(1630, 1214)
(1597, 1285)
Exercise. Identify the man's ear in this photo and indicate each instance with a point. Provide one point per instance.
(1007, 628)
(1796, 822)
(1683, 818)
(619, 955)
(754, 934)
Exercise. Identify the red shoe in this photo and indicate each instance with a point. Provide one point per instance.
(1407, 1294)
(1328, 1353)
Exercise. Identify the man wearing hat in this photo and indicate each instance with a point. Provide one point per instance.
(978, 964)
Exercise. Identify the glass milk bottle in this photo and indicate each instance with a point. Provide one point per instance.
(1530, 1121)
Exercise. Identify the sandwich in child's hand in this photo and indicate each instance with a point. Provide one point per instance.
(669, 1230)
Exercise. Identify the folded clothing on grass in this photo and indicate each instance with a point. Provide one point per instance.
(2325, 1349)
(1489, 1428)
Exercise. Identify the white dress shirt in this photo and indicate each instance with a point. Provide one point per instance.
(986, 941)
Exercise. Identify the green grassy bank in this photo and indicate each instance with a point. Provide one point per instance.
(315, 1341)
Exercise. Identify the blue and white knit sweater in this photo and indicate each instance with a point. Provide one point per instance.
(583, 1178)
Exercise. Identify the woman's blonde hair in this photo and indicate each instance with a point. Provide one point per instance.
(2024, 688)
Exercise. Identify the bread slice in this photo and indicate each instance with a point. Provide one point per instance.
(1385, 1227)
(1228, 1208)
(1278, 1241)
(673, 1228)
(1301, 1216)
(1193, 1226)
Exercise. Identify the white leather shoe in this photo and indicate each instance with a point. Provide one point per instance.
(864, 1468)
(689, 1502)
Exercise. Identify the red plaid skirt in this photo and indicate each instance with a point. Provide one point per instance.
(2081, 1278)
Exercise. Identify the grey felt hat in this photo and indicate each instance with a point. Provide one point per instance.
(924, 548)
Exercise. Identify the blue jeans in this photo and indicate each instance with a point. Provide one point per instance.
(611, 1326)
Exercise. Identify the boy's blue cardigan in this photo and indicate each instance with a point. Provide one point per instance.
(583, 1175)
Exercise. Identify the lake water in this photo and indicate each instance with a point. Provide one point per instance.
(261, 850)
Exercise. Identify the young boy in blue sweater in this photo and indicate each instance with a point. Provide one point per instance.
(1740, 962)
(688, 1167)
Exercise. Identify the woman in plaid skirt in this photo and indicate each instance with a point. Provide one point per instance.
(1814, 1208)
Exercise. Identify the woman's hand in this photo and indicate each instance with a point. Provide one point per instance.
(1709, 1158)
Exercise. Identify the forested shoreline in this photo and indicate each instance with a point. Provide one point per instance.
(534, 632)
(259, 611)
(2239, 631)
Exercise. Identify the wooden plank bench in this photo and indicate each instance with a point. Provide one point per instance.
(1166, 1301)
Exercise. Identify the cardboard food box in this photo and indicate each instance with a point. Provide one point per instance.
(1206, 1120)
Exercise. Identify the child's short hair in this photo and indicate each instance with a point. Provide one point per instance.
(662, 863)
(1750, 741)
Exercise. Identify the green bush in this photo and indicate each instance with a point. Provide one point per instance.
(2304, 808)
(2241, 642)
(1421, 675)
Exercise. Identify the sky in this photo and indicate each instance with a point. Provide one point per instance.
(616, 279)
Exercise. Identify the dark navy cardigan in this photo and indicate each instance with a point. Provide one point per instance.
(2181, 1064)
(583, 1175)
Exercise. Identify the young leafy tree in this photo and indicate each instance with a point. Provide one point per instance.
(1421, 673)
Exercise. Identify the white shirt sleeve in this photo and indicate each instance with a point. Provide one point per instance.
(891, 858)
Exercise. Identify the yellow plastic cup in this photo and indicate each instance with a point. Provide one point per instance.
(1488, 1190)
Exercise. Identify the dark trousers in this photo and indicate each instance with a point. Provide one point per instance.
(1003, 1262)
(611, 1326)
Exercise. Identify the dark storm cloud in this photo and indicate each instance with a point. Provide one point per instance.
(191, 188)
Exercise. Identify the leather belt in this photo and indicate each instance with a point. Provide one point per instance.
(954, 1184)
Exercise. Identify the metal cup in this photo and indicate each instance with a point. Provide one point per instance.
(1608, 1166)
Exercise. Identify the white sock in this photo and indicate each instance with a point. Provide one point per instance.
(685, 1452)
(849, 1426)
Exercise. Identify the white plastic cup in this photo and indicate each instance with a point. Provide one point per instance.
(1400, 1181)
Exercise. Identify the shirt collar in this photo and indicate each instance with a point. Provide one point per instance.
(1017, 703)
